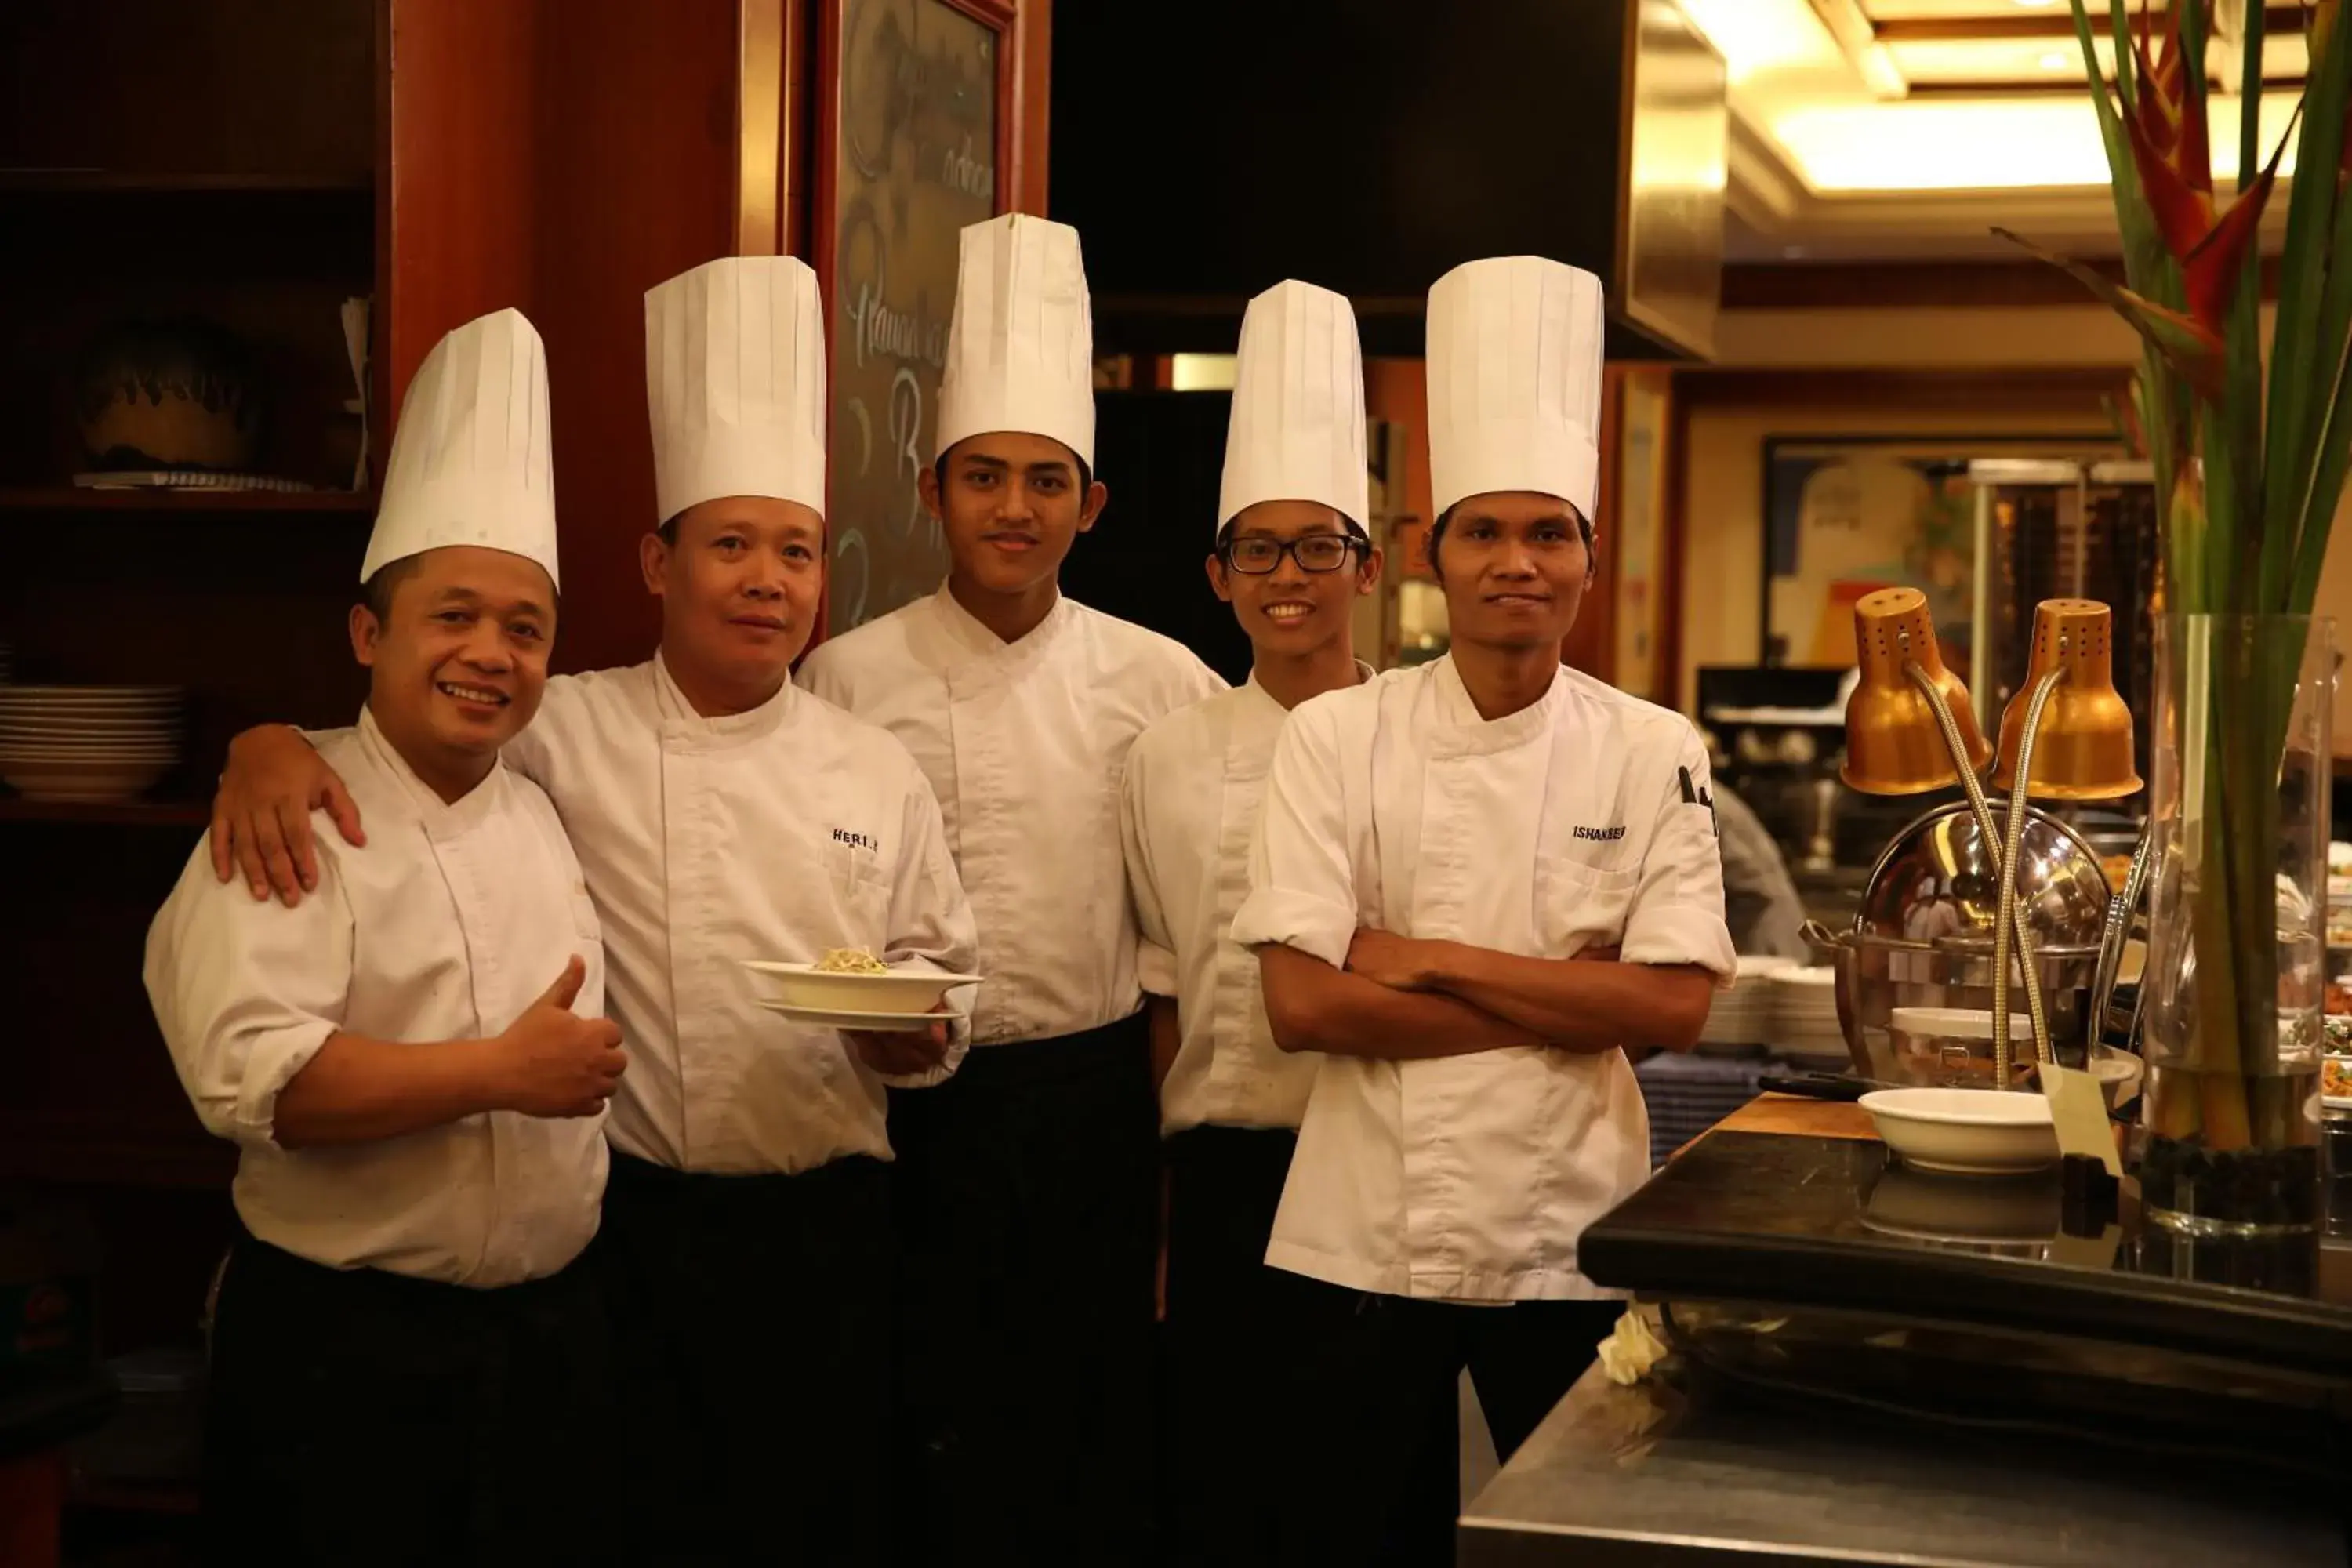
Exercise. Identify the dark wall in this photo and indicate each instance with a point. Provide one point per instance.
(1161, 454)
(1213, 150)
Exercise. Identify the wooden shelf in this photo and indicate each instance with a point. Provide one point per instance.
(176, 1499)
(107, 814)
(78, 498)
(116, 182)
(36, 1149)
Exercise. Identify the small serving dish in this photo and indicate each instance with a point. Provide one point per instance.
(1965, 1132)
(803, 987)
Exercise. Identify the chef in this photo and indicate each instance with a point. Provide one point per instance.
(1437, 848)
(724, 814)
(408, 1356)
(1291, 556)
(1029, 1181)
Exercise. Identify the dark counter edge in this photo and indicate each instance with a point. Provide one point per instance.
(1621, 1252)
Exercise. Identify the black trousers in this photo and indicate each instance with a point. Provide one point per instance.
(356, 1417)
(1234, 1333)
(751, 1316)
(1028, 1201)
(1381, 1387)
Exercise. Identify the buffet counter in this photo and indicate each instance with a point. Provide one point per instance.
(1656, 1476)
(1874, 1367)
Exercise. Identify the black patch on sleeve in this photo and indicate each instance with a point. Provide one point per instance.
(1695, 795)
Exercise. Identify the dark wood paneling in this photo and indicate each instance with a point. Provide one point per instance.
(457, 200)
(634, 185)
(1941, 285)
(2053, 22)
(1032, 119)
(137, 91)
(1590, 645)
(1673, 550)
(2067, 389)
(562, 160)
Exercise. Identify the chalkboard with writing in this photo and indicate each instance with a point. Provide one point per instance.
(913, 134)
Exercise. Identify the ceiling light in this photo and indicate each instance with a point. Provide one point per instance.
(1987, 143)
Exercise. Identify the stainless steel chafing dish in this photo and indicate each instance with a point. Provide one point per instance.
(1924, 938)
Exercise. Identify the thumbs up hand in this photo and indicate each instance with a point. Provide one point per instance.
(555, 1062)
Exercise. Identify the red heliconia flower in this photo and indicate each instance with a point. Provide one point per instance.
(2209, 272)
(2171, 151)
(2168, 141)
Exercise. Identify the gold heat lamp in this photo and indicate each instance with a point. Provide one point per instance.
(1894, 741)
(2082, 746)
(1910, 729)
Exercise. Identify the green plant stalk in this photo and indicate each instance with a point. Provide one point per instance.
(2250, 103)
(2252, 468)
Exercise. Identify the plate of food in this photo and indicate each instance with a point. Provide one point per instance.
(851, 981)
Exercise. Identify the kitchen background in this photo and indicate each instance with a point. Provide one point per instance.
(230, 228)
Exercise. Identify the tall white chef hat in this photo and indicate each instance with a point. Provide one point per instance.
(1515, 350)
(1297, 427)
(470, 460)
(735, 382)
(1021, 347)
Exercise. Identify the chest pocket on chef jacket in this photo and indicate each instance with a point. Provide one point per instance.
(863, 884)
(1582, 904)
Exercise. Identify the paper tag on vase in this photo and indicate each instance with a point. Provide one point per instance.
(2078, 1109)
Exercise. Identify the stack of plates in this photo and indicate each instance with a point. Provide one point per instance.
(1741, 1017)
(1805, 1017)
(88, 742)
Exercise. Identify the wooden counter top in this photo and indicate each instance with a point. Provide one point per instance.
(1794, 1115)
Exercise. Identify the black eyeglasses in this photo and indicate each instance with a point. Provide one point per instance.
(1314, 552)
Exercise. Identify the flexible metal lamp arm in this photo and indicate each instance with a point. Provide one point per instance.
(2009, 920)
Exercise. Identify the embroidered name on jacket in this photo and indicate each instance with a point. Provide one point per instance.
(856, 840)
(1601, 835)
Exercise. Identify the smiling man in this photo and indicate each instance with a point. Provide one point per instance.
(723, 815)
(1029, 1181)
(1292, 558)
(1440, 846)
(408, 1363)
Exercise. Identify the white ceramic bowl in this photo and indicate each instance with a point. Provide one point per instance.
(804, 986)
(1965, 1132)
(2119, 1074)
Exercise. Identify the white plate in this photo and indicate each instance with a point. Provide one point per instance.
(90, 756)
(82, 713)
(95, 730)
(1965, 1132)
(173, 692)
(870, 1023)
(803, 985)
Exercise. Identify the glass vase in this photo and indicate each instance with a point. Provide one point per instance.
(2234, 984)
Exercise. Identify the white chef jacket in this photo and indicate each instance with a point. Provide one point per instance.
(447, 925)
(1024, 742)
(1194, 781)
(773, 835)
(1579, 821)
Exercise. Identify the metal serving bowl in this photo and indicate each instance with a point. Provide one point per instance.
(1924, 938)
